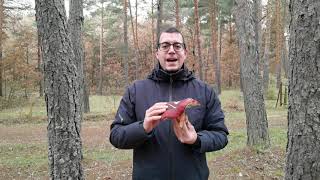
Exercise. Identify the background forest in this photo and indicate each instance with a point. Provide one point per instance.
(119, 42)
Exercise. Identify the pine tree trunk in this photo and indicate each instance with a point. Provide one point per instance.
(101, 53)
(135, 43)
(125, 40)
(76, 32)
(40, 69)
(177, 14)
(137, 39)
(159, 17)
(152, 31)
(197, 34)
(220, 47)
(279, 35)
(62, 91)
(256, 118)
(257, 7)
(303, 148)
(267, 49)
(1, 26)
(216, 61)
(86, 94)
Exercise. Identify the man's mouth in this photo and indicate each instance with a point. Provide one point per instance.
(172, 60)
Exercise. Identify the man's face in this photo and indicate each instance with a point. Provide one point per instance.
(171, 60)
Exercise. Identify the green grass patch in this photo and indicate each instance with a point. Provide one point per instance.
(36, 155)
(238, 140)
(23, 155)
(34, 111)
(108, 156)
(33, 107)
(104, 104)
(278, 137)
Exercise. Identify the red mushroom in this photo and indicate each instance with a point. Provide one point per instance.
(176, 110)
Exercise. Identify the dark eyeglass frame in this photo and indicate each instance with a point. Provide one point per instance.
(176, 46)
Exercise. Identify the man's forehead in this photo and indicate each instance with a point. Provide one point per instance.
(174, 37)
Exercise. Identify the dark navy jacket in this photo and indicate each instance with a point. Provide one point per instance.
(159, 155)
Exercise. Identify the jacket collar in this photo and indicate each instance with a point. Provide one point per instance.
(159, 74)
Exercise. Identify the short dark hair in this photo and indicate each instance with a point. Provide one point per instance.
(171, 30)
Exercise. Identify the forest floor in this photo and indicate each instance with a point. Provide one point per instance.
(23, 149)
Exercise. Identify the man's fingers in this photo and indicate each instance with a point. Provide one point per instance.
(159, 105)
(156, 112)
(154, 118)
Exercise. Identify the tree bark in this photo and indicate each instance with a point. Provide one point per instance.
(125, 40)
(152, 31)
(177, 14)
(216, 61)
(136, 16)
(101, 53)
(267, 49)
(40, 69)
(76, 32)
(220, 43)
(279, 37)
(256, 118)
(197, 33)
(159, 18)
(135, 43)
(303, 148)
(1, 27)
(62, 91)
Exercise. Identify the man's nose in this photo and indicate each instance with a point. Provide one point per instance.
(171, 49)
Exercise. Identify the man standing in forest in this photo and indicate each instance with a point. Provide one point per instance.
(164, 149)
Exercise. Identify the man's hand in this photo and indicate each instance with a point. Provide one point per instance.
(153, 115)
(185, 132)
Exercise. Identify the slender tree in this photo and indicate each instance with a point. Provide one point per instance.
(258, 14)
(136, 16)
(267, 48)
(132, 25)
(125, 40)
(256, 118)
(75, 23)
(197, 36)
(279, 38)
(1, 28)
(101, 51)
(177, 14)
(303, 148)
(216, 61)
(159, 17)
(39, 67)
(62, 91)
(152, 32)
(135, 42)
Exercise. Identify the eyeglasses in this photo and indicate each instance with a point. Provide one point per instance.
(165, 46)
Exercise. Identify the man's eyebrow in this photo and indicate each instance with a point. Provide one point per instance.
(171, 43)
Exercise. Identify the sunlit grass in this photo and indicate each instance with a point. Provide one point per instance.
(103, 104)
(238, 140)
(23, 155)
(36, 155)
(35, 110)
(107, 155)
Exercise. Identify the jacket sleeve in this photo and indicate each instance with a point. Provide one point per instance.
(213, 135)
(126, 131)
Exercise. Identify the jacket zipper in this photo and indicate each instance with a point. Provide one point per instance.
(171, 168)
